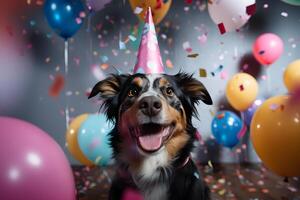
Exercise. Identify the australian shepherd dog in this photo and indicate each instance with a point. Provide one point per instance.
(153, 134)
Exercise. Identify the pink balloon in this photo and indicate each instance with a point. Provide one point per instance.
(267, 48)
(32, 165)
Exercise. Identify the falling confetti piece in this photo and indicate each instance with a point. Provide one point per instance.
(57, 86)
(187, 47)
(250, 10)
(104, 58)
(194, 55)
(223, 75)
(219, 69)
(210, 164)
(221, 115)
(104, 66)
(202, 72)
(284, 14)
(222, 28)
(169, 63)
(138, 10)
(202, 39)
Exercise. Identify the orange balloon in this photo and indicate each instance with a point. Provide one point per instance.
(241, 91)
(72, 142)
(292, 76)
(275, 134)
(159, 8)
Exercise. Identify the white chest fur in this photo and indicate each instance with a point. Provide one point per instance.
(147, 176)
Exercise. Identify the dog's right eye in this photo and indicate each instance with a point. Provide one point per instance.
(132, 92)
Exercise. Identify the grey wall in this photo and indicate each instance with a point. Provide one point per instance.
(25, 74)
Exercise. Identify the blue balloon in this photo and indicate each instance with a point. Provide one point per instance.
(227, 128)
(93, 139)
(62, 16)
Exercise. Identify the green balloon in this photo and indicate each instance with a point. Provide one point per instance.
(292, 2)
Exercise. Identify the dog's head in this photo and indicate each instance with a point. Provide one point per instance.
(151, 112)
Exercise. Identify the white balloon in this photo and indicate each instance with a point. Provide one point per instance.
(230, 15)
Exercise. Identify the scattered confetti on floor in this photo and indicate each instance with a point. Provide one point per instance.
(228, 181)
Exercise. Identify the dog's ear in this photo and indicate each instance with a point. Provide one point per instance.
(193, 88)
(108, 88)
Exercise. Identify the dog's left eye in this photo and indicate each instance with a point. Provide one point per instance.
(169, 91)
(132, 92)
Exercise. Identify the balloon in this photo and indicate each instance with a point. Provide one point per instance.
(231, 15)
(267, 48)
(241, 91)
(292, 2)
(275, 134)
(97, 5)
(33, 166)
(247, 115)
(292, 76)
(71, 139)
(93, 139)
(159, 8)
(64, 16)
(228, 128)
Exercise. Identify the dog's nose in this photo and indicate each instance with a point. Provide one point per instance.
(150, 106)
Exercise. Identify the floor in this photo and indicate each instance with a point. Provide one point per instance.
(232, 182)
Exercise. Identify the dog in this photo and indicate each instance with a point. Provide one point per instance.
(153, 134)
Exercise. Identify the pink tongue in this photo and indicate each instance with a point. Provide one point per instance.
(151, 142)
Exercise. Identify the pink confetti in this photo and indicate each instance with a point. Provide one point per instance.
(224, 75)
(202, 38)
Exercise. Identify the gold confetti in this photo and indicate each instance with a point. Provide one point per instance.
(222, 192)
(202, 72)
(194, 55)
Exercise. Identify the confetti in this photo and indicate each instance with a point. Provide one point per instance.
(138, 10)
(57, 86)
(202, 72)
(219, 69)
(169, 63)
(284, 14)
(194, 55)
(202, 39)
(187, 47)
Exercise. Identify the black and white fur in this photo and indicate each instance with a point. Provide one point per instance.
(167, 173)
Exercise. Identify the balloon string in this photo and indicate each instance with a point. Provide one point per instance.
(268, 81)
(67, 114)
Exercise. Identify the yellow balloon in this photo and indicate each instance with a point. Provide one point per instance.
(159, 8)
(292, 76)
(71, 139)
(241, 91)
(275, 134)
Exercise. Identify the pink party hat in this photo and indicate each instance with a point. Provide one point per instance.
(149, 59)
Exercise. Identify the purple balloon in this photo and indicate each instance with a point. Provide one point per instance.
(247, 115)
(97, 5)
(32, 164)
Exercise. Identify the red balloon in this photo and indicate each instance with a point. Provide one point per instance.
(32, 164)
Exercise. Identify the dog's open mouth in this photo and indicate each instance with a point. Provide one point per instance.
(151, 137)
